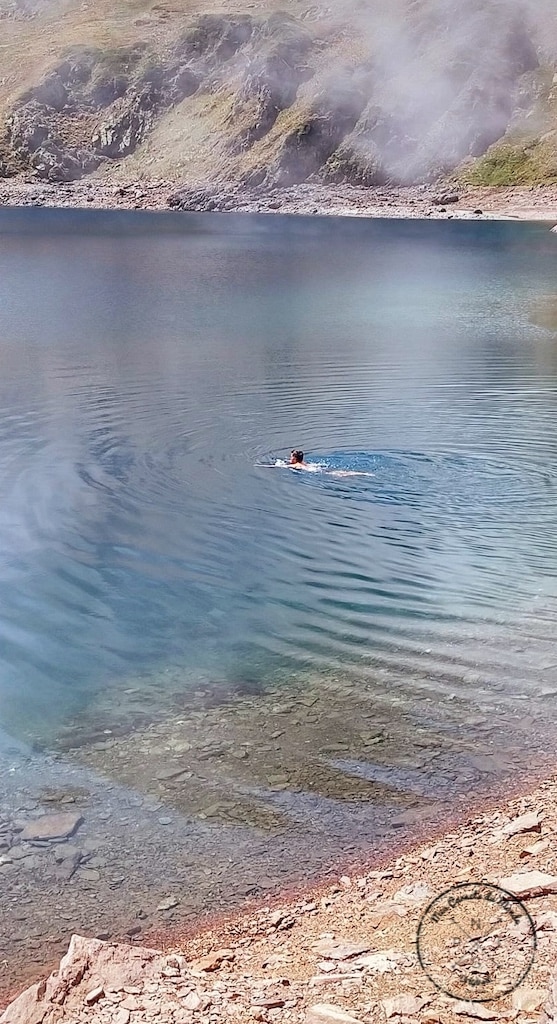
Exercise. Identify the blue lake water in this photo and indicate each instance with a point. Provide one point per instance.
(240, 674)
(153, 365)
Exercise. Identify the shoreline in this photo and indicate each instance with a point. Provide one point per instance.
(437, 202)
(211, 928)
(219, 925)
(209, 804)
(238, 967)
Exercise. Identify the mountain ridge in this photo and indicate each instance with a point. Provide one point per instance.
(272, 96)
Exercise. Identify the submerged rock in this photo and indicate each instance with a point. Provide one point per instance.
(52, 826)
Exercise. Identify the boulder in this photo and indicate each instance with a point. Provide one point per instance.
(89, 968)
(52, 826)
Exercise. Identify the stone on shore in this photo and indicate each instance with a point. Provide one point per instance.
(340, 950)
(384, 962)
(476, 1010)
(549, 1011)
(536, 848)
(89, 969)
(529, 883)
(328, 1013)
(530, 822)
(404, 1005)
(212, 961)
(528, 999)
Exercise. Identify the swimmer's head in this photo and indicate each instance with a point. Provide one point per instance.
(296, 456)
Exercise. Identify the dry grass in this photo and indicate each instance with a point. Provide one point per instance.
(28, 47)
(186, 143)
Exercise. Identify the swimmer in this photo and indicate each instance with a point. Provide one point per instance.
(297, 462)
(297, 459)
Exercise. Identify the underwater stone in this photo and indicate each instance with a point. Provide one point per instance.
(52, 826)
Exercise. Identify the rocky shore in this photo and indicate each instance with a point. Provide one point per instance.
(347, 952)
(133, 829)
(537, 202)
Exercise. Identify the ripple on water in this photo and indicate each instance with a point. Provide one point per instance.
(450, 480)
(313, 652)
(136, 524)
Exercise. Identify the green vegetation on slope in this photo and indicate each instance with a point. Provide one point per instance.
(527, 153)
(507, 164)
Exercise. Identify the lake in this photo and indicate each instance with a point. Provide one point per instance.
(201, 646)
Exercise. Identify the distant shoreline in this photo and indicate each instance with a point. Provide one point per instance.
(435, 202)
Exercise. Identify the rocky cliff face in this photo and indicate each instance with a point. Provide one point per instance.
(365, 98)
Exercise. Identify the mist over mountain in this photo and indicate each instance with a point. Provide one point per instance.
(362, 92)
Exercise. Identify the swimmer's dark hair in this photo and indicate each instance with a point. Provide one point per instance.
(298, 455)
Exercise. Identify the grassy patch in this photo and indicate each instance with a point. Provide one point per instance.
(518, 164)
(527, 155)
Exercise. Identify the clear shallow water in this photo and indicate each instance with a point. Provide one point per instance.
(151, 368)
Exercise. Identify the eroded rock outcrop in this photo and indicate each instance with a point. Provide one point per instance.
(89, 971)
(270, 79)
(332, 114)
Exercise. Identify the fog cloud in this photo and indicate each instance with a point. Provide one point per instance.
(445, 80)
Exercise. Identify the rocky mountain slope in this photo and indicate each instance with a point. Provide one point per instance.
(256, 95)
